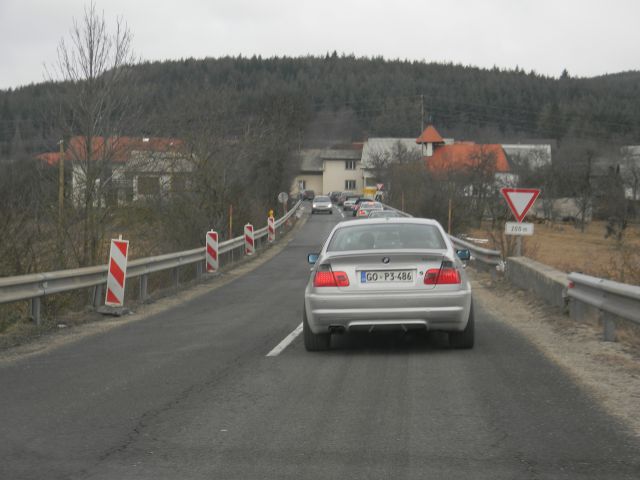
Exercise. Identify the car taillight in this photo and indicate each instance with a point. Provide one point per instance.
(442, 276)
(362, 213)
(328, 278)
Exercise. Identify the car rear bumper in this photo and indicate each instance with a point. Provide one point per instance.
(321, 208)
(447, 311)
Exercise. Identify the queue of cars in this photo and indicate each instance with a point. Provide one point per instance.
(383, 274)
(358, 206)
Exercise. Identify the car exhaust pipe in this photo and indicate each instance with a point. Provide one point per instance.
(336, 329)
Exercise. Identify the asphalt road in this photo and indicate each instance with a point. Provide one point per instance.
(191, 394)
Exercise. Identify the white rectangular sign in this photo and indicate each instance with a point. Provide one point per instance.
(515, 228)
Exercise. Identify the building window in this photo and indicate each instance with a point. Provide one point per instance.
(350, 165)
(302, 184)
(350, 184)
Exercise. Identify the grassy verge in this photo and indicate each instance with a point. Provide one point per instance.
(568, 249)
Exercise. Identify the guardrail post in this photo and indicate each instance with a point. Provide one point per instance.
(577, 310)
(144, 284)
(175, 273)
(198, 270)
(35, 310)
(573, 310)
(608, 326)
(97, 295)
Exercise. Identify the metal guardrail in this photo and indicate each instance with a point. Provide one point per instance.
(611, 299)
(491, 258)
(488, 258)
(35, 286)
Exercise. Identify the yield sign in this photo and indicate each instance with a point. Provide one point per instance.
(520, 200)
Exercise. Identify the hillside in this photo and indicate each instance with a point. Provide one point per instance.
(346, 98)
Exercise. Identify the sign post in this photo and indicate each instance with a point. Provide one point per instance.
(520, 200)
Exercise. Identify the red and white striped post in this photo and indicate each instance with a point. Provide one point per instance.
(212, 251)
(271, 229)
(117, 272)
(249, 240)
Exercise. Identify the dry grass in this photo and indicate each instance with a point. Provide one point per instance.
(568, 249)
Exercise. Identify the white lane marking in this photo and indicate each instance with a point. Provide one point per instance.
(286, 342)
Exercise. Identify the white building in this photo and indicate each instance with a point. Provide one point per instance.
(330, 170)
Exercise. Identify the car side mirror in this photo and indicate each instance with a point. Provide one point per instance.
(312, 258)
(464, 254)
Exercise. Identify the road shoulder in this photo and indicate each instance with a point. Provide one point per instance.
(95, 324)
(609, 371)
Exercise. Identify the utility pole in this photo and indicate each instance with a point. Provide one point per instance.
(61, 203)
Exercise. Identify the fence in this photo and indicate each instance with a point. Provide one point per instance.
(35, 286)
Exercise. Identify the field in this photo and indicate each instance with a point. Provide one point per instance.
(568, 249)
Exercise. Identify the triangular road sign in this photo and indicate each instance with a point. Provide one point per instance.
(520, 200)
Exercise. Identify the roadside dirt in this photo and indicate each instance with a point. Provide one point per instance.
(566, 248)
(95, 324)
(609, 371)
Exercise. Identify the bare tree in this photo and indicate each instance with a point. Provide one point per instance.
(630, 172)
(95, 111)
(481, 174)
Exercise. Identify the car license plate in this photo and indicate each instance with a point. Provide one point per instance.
(388, 276)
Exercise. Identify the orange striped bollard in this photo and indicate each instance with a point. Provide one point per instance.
(249, 240)
(212, 251)
(271, 229)
(117, 273)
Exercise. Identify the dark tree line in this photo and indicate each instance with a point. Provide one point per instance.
(379, 98)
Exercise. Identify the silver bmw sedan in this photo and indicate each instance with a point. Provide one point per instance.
(386, 274)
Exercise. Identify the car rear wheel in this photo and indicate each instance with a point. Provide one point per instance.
(465, 338)
(313, 342)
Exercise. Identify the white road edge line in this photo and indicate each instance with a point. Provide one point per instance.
(286, 342)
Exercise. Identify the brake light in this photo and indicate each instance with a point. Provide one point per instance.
(442, 276)
(362, 213)
(327, 278)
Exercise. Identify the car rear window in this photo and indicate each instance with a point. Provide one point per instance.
(386, 236)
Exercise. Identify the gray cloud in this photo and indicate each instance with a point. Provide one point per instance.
(542, 35)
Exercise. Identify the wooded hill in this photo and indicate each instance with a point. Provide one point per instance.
(344, 98)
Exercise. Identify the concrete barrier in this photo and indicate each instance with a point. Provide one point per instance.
(546, 282)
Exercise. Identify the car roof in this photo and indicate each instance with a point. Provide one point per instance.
(387, 220)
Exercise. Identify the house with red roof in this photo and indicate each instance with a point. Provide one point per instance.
(134, 168)
(444, 159)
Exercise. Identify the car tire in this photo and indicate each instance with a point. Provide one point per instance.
(313, 342)
(312, 211)
(465, 338)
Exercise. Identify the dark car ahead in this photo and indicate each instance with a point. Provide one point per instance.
(307, 195)
(356, 205)
(334, 196)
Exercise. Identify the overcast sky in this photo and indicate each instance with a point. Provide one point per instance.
(587, 37)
